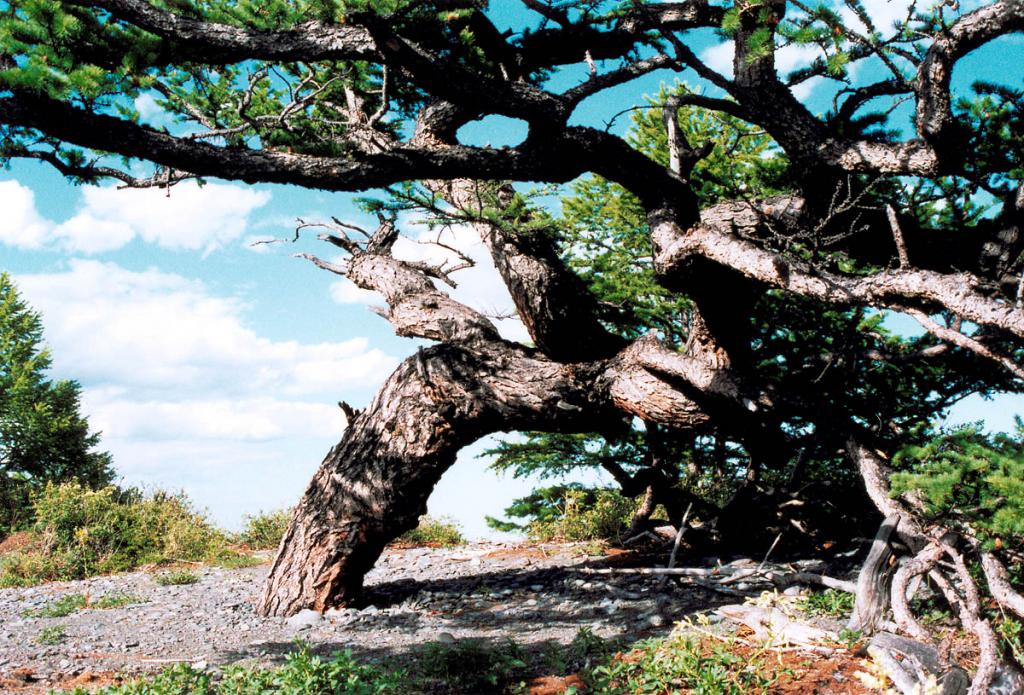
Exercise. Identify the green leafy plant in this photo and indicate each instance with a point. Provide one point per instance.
(51, 635)
(831, 603)
(176, 578)
(116, 600)
(64, 606)
(682, 664)
(302, 673)
(473, 666)
(230, 559)
(72, 603)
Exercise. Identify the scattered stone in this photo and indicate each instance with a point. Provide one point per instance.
(417, 596)
(304, 619)
(445, 638)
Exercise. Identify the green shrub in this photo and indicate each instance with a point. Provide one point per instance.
(971, 479)
(301, 674)
(682, 664)
(831, 602)
(470, 666)
(434, 532)
(264, 530)
(28, 568)
(572, 513)
(176, 578)
(82, 532)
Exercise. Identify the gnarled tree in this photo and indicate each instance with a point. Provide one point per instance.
(357, 95)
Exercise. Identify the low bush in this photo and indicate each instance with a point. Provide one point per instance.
(682, 663)
(79, 532)
(264, 531)
(433, 531)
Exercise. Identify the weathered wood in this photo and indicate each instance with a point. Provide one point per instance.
(374, 485)
(874, 580)
(911, 664)
(777, 629)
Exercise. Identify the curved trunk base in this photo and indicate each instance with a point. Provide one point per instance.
(373, 486)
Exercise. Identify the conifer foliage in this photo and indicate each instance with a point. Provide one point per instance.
(43, 435)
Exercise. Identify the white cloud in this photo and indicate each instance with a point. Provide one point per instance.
(257, 419)
(186, 394)
(21, 225)
(193, 217)
(344, 291)
(159, 332)
(479, 287)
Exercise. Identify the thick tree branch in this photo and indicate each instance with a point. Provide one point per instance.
(715, 240)
(934, 100)
(415, 307)
(212, 42)
(359, 172)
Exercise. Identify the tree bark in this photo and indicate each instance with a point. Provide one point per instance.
(374, 484)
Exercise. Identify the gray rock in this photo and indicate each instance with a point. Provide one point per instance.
(304, 619)
(655, 620)
(445, 638)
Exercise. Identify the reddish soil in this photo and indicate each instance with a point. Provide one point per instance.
(16, 541)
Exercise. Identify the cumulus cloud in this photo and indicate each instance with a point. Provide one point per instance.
(159, 332)
(21, 226)
(193, 217)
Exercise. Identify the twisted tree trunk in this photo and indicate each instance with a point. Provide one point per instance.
(374, 484)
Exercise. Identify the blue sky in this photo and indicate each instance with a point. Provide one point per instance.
(215, 367)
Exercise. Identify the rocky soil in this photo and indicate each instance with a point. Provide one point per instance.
(485, 591)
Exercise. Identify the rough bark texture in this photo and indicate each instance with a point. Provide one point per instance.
(374, 485)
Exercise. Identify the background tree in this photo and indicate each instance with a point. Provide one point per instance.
(780, 359)
(43, 436)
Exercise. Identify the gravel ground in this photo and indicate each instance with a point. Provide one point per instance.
(485, 591)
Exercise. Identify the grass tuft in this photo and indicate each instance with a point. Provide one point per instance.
(51, 635)
(176, 578)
